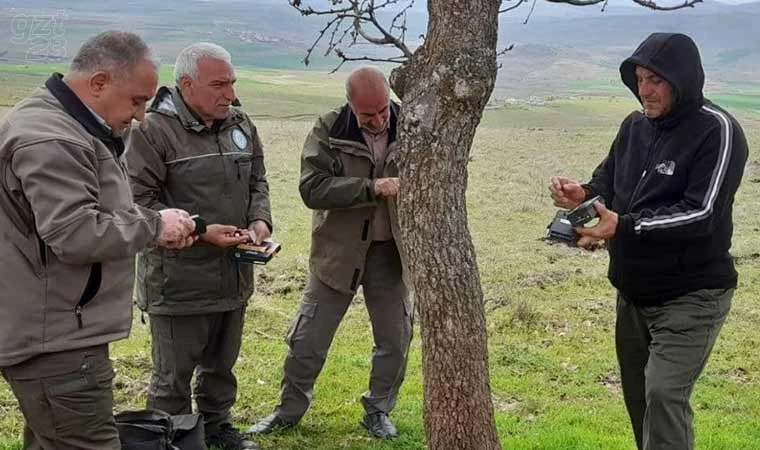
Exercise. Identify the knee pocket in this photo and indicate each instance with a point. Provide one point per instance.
(82, 402)
(306, 312)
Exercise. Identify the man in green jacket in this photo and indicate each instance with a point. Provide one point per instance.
(70, 232)
(196, 150)
(348, 177)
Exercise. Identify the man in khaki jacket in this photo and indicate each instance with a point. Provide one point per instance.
(70, 232)
(348, 179)
(196, 150)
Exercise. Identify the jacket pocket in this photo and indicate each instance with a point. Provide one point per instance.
(82, 399)
(243, 169)
(245, 278)
(319, 219)
(193, 274)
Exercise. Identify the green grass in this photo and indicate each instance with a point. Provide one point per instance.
(550, 309)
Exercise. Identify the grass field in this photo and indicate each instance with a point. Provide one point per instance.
(550, 309)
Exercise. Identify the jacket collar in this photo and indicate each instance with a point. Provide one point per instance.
(346, 126)
(82, 114)
(169, 101)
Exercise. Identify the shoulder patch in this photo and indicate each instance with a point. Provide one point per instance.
(239, 139)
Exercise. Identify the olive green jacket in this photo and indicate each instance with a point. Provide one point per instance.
(176, 161)
(337, 184)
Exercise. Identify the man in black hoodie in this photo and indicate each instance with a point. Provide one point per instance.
(669, 182)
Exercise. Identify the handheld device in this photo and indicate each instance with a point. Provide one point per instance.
(583, 213)
(250, 253)
(561, 230)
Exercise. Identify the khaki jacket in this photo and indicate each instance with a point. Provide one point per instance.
(176, 161)
(337, 184)
(69, 229)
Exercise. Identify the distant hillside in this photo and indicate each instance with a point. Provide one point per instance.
(561, 48)
(257, 34)
(576, 52)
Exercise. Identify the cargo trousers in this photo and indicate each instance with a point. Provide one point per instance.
(321, 311)
(662, 350)
(204, 345)
(66, 399)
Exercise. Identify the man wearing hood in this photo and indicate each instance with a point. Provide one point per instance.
(196, 149)
(668, 185)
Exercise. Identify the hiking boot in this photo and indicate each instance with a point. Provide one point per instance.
(228, 438)
(271, 423)
(379, 425)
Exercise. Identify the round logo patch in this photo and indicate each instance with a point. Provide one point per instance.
(239, 139)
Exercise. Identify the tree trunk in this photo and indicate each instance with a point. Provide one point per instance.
(444, 88)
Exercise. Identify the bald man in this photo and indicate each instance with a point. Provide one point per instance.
(349, 180)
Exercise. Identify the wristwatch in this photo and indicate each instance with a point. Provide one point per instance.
(200, 224)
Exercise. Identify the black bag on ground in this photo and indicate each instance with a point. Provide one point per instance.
(157, 430)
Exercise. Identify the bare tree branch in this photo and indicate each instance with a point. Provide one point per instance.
(511, 7)
(651, 4)
(504, 51)
(530, 13)
(358, 19)
(345, 58)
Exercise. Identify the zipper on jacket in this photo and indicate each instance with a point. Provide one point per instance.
(90, 290)
(355, 279)
(647, 162)
(43, 250)
(365, 230)
(78, 313)
(218, 145)
(227, 187)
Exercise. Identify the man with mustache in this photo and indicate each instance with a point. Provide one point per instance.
(70, 232)
(668, 185)
(196, 150)
(349, 180)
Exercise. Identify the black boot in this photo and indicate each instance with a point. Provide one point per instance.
(271, 423)
(228, 438)
(379, 425)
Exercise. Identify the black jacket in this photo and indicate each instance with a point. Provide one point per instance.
(672, 182)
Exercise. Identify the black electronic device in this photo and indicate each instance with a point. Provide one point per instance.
(250, 253)
(561, 230)
(583, 213)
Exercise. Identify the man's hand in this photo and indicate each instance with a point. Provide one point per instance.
(386, 187)
(566, 193)
(223, 236)
(176, 229)
(605, 229)
(259, 231)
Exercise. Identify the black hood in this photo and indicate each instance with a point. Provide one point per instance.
(674, 57)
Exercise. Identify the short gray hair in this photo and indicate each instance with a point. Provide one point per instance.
(117, 52)
(364, 71)
(187, 60)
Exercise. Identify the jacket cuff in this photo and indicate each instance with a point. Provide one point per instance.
(263, 219)
(154, 217)
(625, 227)
(370, 188)
(590, 192)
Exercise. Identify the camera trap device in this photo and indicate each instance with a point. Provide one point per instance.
(584, 213)
(561, 228)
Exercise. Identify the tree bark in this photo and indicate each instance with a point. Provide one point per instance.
(444, 88)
